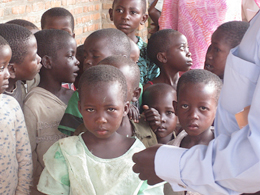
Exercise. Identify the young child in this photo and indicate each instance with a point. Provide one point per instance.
(98, 161)
(160, 97)
(128, 127)
(127, 15)
(197, 98)
(44, 105)
(25, 63)
(170, 51)
(26, 24)
(97, 46)
(226, 37)
(15, 151)
(58, 18)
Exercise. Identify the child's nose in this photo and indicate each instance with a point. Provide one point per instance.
(193, 114)
(6, 73)
(38, 58)
(163, 120)
(100, 119)
(125, 15)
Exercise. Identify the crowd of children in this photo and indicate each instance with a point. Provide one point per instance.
(71, 117)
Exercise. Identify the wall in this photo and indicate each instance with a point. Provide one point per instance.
(89, 15)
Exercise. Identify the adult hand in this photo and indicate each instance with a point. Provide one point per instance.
(144, 164)
(153, 117)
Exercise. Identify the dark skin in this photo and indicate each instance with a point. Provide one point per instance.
(154, 15)
(58, 69)
(177, 58)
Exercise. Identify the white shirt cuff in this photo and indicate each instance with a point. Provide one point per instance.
(167, 165)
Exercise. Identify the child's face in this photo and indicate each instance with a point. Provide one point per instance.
(95, 50)
(59, 23)
(65, 63)
(127, 15)
(5, 56)
(217, 55)
(178, 56)
(196, 107)
(31, 64)
(163, 103)
(102, 107)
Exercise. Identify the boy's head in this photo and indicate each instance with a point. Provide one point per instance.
(226, 37)
(197, 98)
(102, 99)
(160, 97)
(127, 15)
(58, 18)
(58, 52)
(135, 51)
(169, 47)
(131, 72)
(25, 63)
(103, 43)
(5, 57)
(26, 24)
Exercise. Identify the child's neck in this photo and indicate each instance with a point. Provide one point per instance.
(114, 146)
(165, 140)
(169, 77)
(125, 128)
(55, 88)
(12, 85)
(133, 37)
(204, 138)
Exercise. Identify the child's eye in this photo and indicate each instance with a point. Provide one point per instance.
(133, 12)
(169, 112)
(111, 109)
(184, 106)
(90, 110)
(2, 68)
(208, 66)
(216, 49)
(203, 108)
(119, 10)
(95, 57)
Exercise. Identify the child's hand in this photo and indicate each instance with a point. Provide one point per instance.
(153, 117)
(133, 113)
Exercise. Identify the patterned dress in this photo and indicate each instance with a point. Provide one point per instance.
(15, 150)
(197, 20)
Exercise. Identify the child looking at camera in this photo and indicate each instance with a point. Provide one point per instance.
(98, 161)
(169, 50)
(127, 15)
(44, 105)
(16, 158)
(160, 97)
(197, 99)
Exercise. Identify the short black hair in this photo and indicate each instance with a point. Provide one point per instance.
(17, 37)
(116, 40)
(50, 41)
(57, 12)
(154, 90)
(200, 76)
(232, 32)
(99, 74)
(23, 23)
(119, 61)
(3, 42)
(142, 1)
(160, 42)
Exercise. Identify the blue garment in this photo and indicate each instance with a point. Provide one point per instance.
(231, 162)
(148, 70)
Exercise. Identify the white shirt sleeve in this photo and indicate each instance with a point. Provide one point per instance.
(230, 164)
(159, 5)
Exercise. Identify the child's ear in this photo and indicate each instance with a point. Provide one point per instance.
(110, 11)
(126, 108)
(144, 18)
(161, 57)
(136, 94)
(46, 62)
(11, 69)
(175, 107)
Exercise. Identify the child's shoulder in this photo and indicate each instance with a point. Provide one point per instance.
(144, 133)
